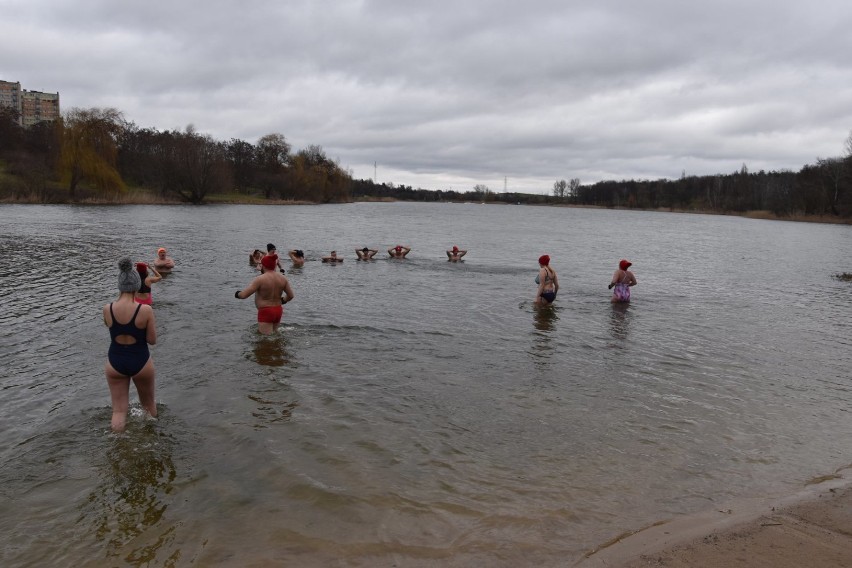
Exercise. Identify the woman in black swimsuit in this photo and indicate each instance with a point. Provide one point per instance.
(131, 329)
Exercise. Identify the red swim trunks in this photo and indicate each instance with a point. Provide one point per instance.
(270, 314)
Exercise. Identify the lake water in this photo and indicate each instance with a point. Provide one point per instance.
(416, 412)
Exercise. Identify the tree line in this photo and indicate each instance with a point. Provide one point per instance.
(97, 152)
(822, 188)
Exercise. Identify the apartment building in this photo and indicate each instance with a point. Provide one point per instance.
(32, 106)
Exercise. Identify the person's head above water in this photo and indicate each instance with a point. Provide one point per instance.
(398, 248)
(455, 248)
(269, 261)
(365, 249)
(142, 269)
(299, 253)
(128, 278)
(624, 264)
(544, 260)
(270, 247)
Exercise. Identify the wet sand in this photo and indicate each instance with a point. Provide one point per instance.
(811, 528)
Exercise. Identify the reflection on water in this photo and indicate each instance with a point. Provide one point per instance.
(137, 475)
(545, 318)
(271, 350)
(619, 320)
(544, 321)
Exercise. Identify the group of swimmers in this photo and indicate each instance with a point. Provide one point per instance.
(298, 256)
(548, 283)
(129, 357)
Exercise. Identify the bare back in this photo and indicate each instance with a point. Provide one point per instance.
(268, 288)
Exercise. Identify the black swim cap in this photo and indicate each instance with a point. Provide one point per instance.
(365, 249)
(270, 247)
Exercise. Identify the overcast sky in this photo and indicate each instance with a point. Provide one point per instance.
(448, 94)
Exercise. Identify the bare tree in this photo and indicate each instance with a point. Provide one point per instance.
(559, 188)
(196, 166)
(482, 192)
(834, 171)
(573, 187)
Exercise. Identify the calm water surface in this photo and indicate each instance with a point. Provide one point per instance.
(413, 413)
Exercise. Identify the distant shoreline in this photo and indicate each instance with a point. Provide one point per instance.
(145, 198)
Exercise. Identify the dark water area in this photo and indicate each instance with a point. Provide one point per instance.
(416, 412)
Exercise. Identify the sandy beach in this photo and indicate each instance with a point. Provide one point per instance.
(812, 528)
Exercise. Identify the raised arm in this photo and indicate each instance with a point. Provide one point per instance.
(155, 278)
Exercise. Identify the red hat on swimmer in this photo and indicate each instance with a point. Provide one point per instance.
(625, 264)
(544, 260)
(269, 261)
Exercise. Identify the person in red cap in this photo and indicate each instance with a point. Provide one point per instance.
(548, 283)
(454, 254)
(399, 251)
(163, 263)
(143, 295)
(268, 289)
(622, 280)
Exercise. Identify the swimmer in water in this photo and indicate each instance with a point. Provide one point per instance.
(131, 329)
(399, 251)
(622, 280)
(366, 253)
(548, 284)
(455, 255)
(298, 257)
(255, 258)
(332, 257)
(268, 289)
(143, 295)
(163, 263)
(271, 250)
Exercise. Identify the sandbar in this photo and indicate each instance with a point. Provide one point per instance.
(810, 528)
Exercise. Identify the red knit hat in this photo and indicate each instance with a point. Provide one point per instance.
(269, 261)
(544, 260)
(625, 264)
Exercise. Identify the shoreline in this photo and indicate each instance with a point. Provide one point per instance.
(141, 198)
(812, 527)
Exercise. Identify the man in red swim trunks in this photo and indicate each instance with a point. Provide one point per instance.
(268, 289)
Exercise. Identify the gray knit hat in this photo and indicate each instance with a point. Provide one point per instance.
(128, 279)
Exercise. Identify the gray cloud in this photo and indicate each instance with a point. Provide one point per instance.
(458, 93)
